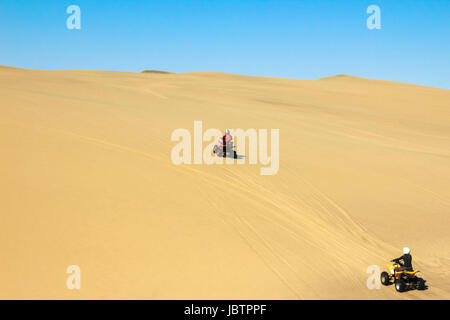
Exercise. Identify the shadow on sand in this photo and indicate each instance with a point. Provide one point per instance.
(235, 156)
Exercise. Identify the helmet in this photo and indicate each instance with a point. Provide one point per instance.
(227, 131)
(406, 250)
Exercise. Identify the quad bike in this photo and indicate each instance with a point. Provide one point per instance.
(403, 280)
(230, 151)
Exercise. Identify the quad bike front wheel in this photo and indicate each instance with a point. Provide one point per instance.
(217, 151)
(385, 279)
(400, 285)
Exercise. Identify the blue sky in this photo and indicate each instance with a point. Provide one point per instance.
(304, 39)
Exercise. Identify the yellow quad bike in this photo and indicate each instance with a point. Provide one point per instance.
(403, 280)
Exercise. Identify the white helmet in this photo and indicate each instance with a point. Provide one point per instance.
(227, 131)
(406, 250)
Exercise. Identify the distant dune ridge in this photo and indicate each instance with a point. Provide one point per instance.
(156, 71)
(340, 76)
(87, 180)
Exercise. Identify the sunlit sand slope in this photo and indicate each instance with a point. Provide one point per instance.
(87, 180)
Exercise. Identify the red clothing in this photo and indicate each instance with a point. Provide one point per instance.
(227, 137)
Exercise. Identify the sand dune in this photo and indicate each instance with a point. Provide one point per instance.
(87, 180)
(156, 71)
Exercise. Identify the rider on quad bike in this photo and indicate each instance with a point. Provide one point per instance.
(402, 273)
(405, 261)
(225, 146)
(227, 140)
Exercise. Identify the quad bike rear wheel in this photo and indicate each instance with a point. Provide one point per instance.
(385, 279)
(420, 284)
(400, 285)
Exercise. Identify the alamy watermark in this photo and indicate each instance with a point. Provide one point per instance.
(373, 281)
(74, 20)
(374, 20)
(190, 149)
(74, 280)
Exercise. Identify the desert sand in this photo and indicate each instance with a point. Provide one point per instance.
(87, 180)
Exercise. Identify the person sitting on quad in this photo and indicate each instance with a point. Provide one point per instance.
(227, 140)
(405, 261)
